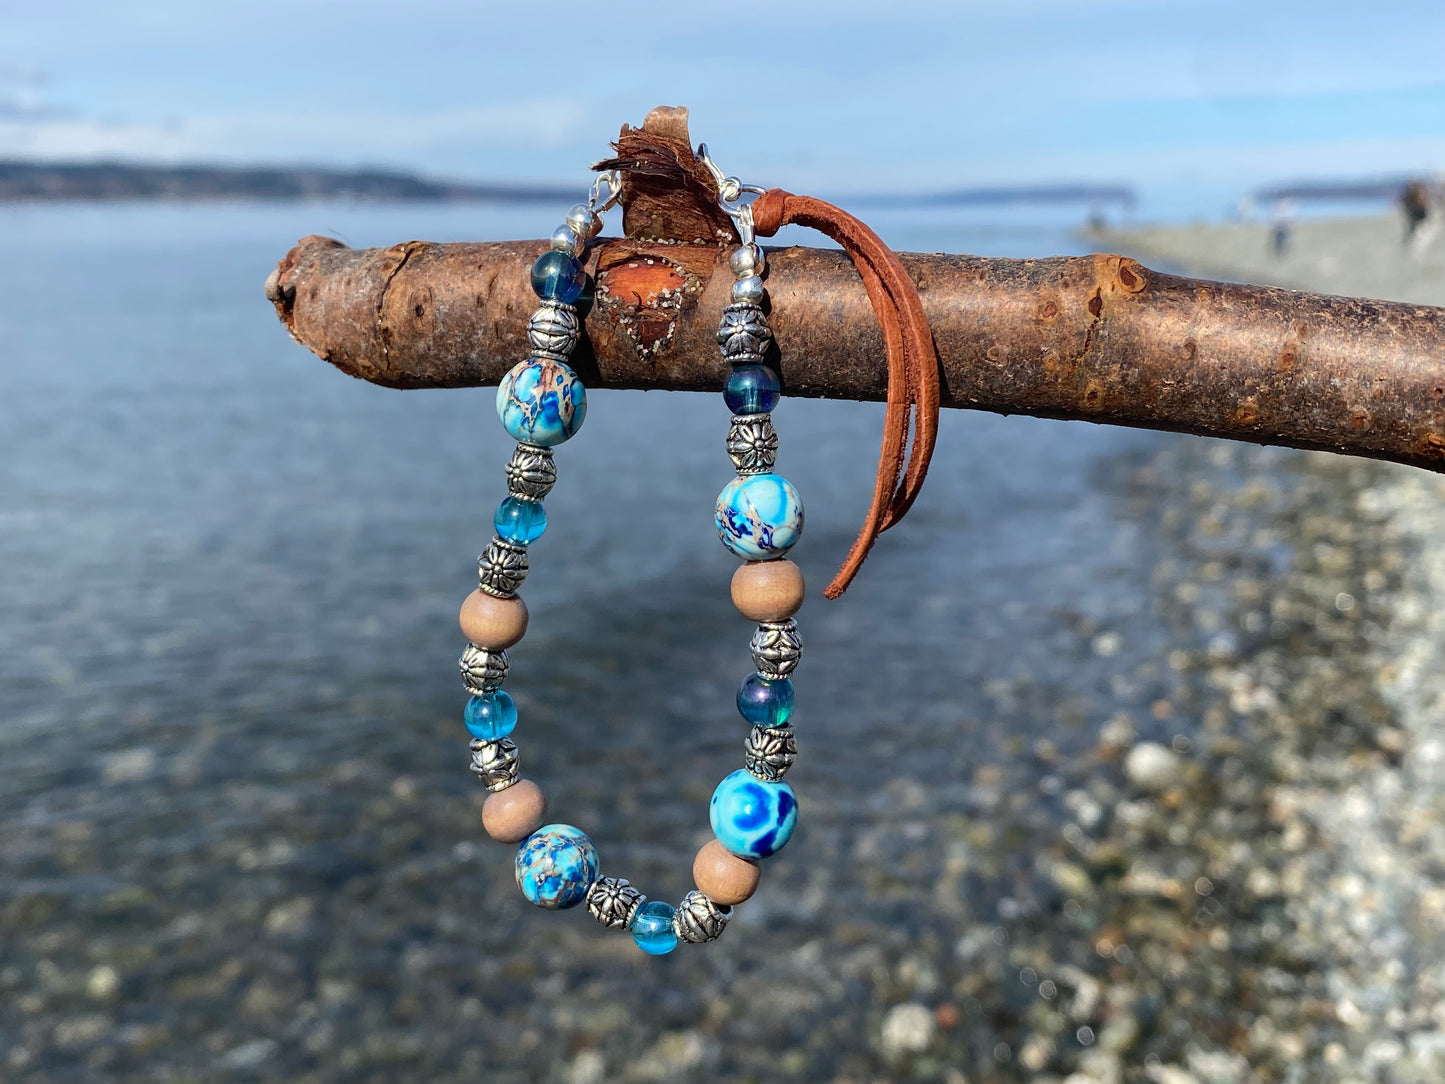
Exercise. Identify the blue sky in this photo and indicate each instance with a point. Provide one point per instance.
(843, 96)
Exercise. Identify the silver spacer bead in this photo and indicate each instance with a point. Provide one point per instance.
(553, 330)
(584, 221)
(612, 902)
(698, 919)
(531, 472)
(752, 443)
(565, 239)
(743, 333)
(502, 568)
(483, 671)
(776, 648)
(770, 752)
(749, 289)
(747, 260)
(495, 763)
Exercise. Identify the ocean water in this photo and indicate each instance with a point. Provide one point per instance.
(238, 837)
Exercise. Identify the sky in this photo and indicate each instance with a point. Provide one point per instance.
(1208, 96)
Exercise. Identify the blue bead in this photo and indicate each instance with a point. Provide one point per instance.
(556, 865)
(764, 702)
(759, 516)
(557, 276)
(541, 402)
(751, 389)
(651, 928)
(491, 717)
(751, 817)
(520, 521)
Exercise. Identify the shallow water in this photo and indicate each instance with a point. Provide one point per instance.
(238, 837)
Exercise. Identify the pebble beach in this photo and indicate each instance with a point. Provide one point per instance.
(1139, 780)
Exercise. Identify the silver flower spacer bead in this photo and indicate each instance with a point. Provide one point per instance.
(698, 919)
(531, 472)
(770, 751)
(743, 333)
(776, 648)
(612, 901)
(553, 330)
(483, 671)
(752, 443)
(501, 568)
(495, 762)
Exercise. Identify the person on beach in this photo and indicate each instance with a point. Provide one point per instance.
(1279, 234)
(1420, 225)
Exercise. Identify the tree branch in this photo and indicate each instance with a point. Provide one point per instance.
(1098, 337)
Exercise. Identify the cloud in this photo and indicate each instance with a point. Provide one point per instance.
(321, 137)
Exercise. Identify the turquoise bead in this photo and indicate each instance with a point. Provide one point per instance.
(541, 402)
(751, 389)
(520, 521)
(557, 276)
(652, 928)
(759, 516)
(491, 717)
(556, 865)
(751, 817)
(764, 702)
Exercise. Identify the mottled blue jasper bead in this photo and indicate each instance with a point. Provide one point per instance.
(764, 702)
(556, 865)
(541, 402)
(753, 818)
(759, 516)
(751, 389)
(519, 521)
(652, 928)
(557, 276)
(491, 717)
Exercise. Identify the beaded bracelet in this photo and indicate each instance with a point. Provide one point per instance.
(759, 518)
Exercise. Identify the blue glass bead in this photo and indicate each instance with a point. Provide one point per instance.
(520, 521)
(556, 865)
(751, 817)
(652, 929)
(491, 717)
(759, 516)
(765, 703)
(541, 402)
(751, 389)
(557, 276)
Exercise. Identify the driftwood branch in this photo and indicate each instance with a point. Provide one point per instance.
(1098, 337)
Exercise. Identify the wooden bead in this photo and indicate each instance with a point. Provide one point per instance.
(722, 876)
(491, 622)
(768, 590)
(511, 815)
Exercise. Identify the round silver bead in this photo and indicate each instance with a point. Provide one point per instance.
(553, 330)
(501, 568)
(531, 472)
(747, 260)
(749, 289)
(743, 332)
(565, 239)
(612, 901)
(752, 443)
(698, 919)
(495, 763)
(776, 648)
(483, 671)
(584, 222)
(770, 751)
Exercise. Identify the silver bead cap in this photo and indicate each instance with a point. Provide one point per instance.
(531, 472)
(770, 751)
(777, 648)
(553, 330)
(495, 763)
(501, 568)
(483, 671)
(752, 443)
(743, 333)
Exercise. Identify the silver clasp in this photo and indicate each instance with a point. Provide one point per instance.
(730, 193)
(595, 203)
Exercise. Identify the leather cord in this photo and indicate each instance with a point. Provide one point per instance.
(912, 410)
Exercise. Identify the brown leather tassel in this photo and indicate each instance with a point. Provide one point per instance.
(912, 362)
